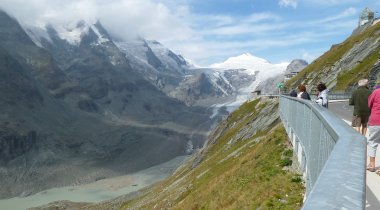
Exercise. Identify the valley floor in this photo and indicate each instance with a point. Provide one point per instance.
(101, 190)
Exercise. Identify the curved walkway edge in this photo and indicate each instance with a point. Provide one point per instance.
(344, 111)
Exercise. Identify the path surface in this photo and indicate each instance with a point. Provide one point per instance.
(344, 111)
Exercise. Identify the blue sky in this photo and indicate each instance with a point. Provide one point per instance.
(210, 31)
(275, 30)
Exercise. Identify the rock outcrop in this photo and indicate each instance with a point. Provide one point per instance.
(344, 64)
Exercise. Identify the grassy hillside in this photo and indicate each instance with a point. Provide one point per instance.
(344, 64)
(243, 166)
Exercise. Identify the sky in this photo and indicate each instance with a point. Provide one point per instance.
(210, 31)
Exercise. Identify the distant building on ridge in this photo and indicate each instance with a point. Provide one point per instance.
(367, 16)
(367, 19)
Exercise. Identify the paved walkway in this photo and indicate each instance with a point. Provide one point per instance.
(344, 111)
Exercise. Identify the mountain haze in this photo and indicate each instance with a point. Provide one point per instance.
(75, 111)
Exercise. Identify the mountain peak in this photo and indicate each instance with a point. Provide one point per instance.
(72, 32)
(246, 61)
(251, 58)
(296, 65)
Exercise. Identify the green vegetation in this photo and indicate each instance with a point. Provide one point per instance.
(322, 66)
(244, 174)
(361, 70)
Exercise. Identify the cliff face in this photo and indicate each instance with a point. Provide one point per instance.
(346, 63)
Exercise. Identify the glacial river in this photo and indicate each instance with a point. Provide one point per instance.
(98, 191)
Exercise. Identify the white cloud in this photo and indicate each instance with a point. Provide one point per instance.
(199, 37)
(309, 57)
(259, 17)
(350, 12)
(331, 2)
(123, 18)
(288, 3)
(244, 29)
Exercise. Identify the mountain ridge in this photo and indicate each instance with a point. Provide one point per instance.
(357, 55)
(77, 113)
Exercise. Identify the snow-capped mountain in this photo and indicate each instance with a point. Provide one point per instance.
(179, 78)
(72, 32)
(269, 85)
(76, 107)
(252, 65)
(153, 53)
(166, 70)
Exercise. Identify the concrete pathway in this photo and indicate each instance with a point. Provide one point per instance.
(344, 111)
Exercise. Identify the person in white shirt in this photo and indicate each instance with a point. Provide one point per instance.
(322, 97)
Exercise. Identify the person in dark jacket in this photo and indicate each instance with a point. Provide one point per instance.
(303, 93)
(293, 93)
(359, 99)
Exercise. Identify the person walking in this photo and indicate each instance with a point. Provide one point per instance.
(374, 126)
(322, 97)
(303, 93)
(359, 99)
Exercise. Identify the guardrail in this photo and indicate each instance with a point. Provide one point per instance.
(339, 96)
(334, 95)
(331, 154)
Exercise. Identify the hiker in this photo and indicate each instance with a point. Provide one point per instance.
(374, 126)
(293, 93)
(359, 99)
(303, 93)
(322, 96)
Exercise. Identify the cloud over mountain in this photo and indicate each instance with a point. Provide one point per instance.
(206, 32)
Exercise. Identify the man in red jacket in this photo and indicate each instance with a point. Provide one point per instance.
(374, 126)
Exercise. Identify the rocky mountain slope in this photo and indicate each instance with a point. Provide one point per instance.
(233, 171)
(179, 79)
(296, 66)
(76, 100)
(75, 111)
(344, 64)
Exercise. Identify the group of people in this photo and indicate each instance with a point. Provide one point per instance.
(322, 94)
(367, 112)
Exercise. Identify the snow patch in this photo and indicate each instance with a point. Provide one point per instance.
(72, 32)
(101, 38)
(37, 34)
(261, 68)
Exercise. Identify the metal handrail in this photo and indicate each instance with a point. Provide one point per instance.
(332, 155)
